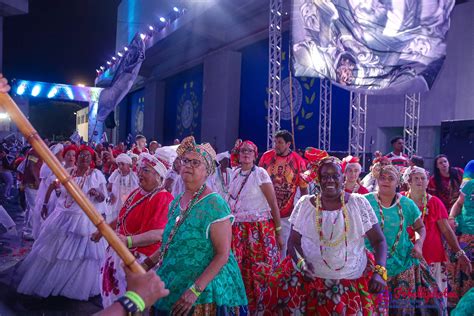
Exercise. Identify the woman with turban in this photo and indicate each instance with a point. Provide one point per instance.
(351, 168)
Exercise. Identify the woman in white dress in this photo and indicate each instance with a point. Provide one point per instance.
(121, 182)
(64, 261)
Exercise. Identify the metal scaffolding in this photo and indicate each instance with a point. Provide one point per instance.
(325, 101)
(358, 126)
(412, 123)
(274, 70)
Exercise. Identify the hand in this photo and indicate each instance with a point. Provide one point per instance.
(148, 285)
(376, 284)
(44, 212)
(184, 304)
(96, 236)
(465, 264)
(279, 241)
(417, 251)
(4, 87)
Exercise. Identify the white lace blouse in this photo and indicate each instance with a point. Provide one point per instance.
(250, 205)
(361, 220)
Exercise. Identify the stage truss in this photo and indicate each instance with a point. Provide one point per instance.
(412, 123)
(274, 70)
(325, 99)
(358, 126)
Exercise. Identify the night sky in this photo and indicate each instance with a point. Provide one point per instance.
(60, 41)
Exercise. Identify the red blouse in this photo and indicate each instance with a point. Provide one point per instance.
(150, 214)
(362, 190)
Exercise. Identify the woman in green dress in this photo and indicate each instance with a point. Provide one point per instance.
(409, 281)
(195, 260)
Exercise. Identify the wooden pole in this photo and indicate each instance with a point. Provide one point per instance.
(64, 177)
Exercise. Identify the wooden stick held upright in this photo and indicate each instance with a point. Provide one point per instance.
(63, 176)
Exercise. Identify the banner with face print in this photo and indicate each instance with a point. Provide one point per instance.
(371, 46)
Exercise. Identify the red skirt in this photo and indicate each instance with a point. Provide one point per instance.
(256, 251)
(289, 293)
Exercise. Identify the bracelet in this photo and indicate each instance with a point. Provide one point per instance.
(277, 229)
(129, 242)
(459, 254)
(382, 271)
(195, 290)
(135, 298)
(128, 304)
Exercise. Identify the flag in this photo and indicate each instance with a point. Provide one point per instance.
(75, 138)
(371, 46)
(123, 76)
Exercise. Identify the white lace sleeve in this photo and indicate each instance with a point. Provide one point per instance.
(367, 213)
(262, 176)
(301, 217)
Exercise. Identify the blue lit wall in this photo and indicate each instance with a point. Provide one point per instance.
(253, 102)
(136, 106)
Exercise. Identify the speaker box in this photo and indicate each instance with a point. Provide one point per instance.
(457, 141)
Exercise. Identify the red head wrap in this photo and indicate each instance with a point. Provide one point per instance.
(348, 160)
(234, 156)
(314, 156)
(70, 147)
(89, 149)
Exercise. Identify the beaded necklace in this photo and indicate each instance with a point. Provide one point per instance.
(179, 221)
(129, 206)
(424, 203)
(328, 243)
(400, 227)
(69, 201)
(247, 176)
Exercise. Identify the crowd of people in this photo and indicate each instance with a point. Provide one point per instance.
(238, 233)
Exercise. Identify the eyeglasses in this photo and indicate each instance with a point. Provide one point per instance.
(246, 151)
(195, 163)
(84, 154)
(334, 177)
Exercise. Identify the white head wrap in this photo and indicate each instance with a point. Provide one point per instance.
(147, 159)
(124, 158)
(167, 155)
(412, 170)
(56, 149)
(223, 155)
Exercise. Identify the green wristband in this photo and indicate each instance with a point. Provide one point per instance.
(195, 291)
(129, 242)
(135, 298)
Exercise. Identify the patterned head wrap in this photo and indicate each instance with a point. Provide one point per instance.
(234, 157)
(468, 171)
(317, 158)
(349, 160)
(389, 169)
(145, 159)
(412, 170)
(205, 150)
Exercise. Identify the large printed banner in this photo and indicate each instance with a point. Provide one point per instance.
(183, 105)
(376, 46)
(137, 109)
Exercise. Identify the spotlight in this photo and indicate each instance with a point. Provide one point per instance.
(119, 54)
(21, 89)
(175, 9)
(142, 36)
(102, 68)
(52, 92)
(113, 58)
(125, 48)
(36, 90)
(151, 28)
(162, 19)
(109, 63)
(4, 116)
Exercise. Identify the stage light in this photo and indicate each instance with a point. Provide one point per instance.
(81, 85)
(125, 48)
(52, 92)
(175, 9)
(4, 116)
(142, 36)
(36, 90)
(69, 93)
(21, 88)
(97, 70)
(102, 68)
(162, 19)
(109, 63)
(151, 28)
(113, 58)
(120, 54)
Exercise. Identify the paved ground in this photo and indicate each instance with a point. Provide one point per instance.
(13, 250)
